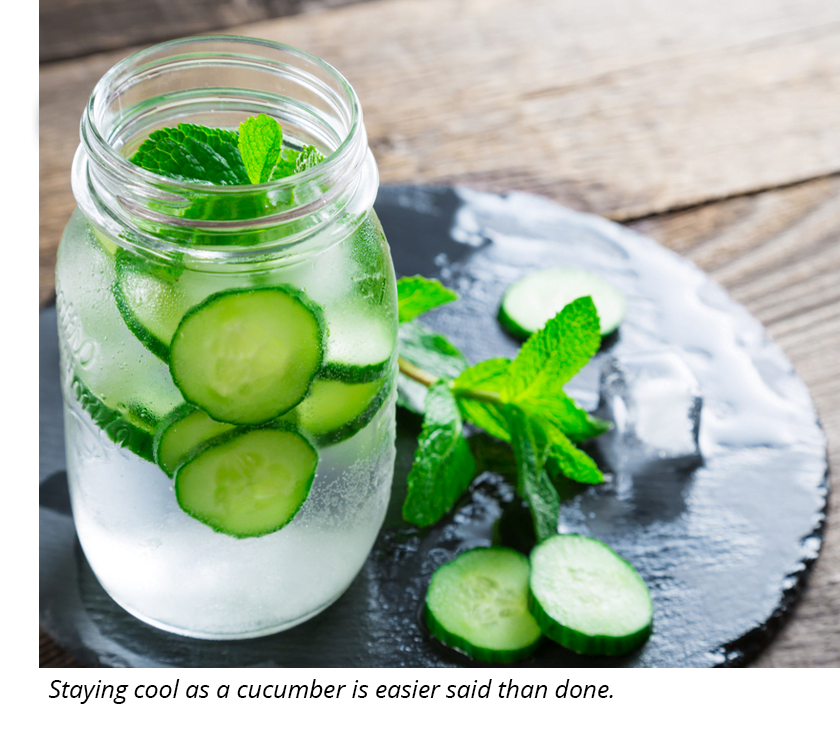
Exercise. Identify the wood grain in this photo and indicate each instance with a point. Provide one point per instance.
(72, 28)
(622, 112)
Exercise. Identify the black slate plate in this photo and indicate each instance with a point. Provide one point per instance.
(725, 549)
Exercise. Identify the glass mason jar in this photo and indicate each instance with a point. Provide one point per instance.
(228, 353)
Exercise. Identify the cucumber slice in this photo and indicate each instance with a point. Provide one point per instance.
(184, 430)
(248, 356)
(478, 605)
(117, 371)
(109, 246)
(250, 484)
(587, 598)
(152, 299)
(130, 427)
(360, 345)
(530, 302)
(334, 411)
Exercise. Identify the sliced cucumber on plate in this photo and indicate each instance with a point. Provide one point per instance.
(530, 302)
(587, 598)
(478, 605)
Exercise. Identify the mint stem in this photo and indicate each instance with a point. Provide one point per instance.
(416, 373)
(428, 379)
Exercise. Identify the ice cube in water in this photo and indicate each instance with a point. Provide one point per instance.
(654, 400)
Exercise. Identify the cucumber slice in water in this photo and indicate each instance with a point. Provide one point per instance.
(152, 299)
(334, 410)
(248, 356)
(183, 431)
(587, 598)
(478, 605)
(250, 484)
(130, 427)
(109, 246)
(122, 385)
(530, 302)
(360, 345)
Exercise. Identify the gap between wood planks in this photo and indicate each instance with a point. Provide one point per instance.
(630, 220)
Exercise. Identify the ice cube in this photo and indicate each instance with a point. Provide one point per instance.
(654, 400)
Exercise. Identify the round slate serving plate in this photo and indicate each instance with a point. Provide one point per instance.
(724, 548)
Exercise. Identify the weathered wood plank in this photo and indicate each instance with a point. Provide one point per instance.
(615, 111)
(618, 108)
(51, 655)
(73, 28)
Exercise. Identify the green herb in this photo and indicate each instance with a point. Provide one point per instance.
(260, 142)
(193, 153)
(425, 357)
(530, 446)
(488, 378)
(196, 153)
(443, 465)
(417, 295)
(521, 402)
(307, 158)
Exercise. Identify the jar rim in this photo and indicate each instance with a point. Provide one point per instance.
(334, 173)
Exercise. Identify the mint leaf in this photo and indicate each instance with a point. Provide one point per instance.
(485, 378)
(561, 411)
(443, 465)
(431, 352)
(307, 158)
(260, 142)
(522, 402)
(193, 153)
(572, 461)
(293, 161)
(285, 164)
(530, 446)
(417, 295)
(551, 356)
(475, 386)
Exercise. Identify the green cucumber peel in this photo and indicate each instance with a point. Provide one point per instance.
(586, 597)
(132, 428)
(477, 604)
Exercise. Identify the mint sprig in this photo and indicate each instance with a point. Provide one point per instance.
(521, 402)
(531, 445)
(253, 155)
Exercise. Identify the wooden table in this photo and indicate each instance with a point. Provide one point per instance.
(712, 126)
